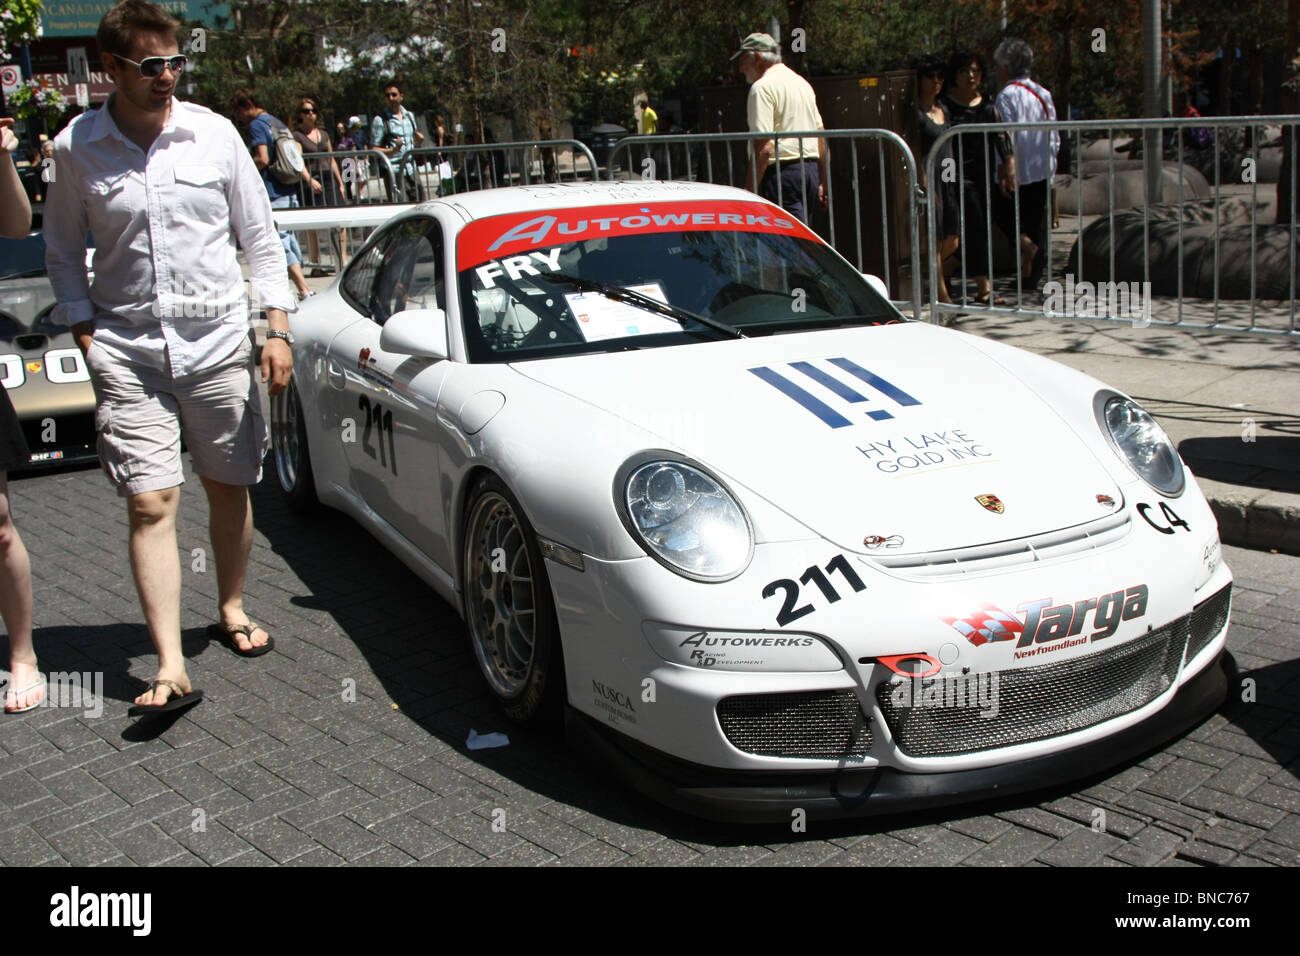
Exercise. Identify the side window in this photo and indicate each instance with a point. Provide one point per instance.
(411, 275)
(359, 283)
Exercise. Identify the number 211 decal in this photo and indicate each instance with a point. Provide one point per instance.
(812, 575)
(382, 420)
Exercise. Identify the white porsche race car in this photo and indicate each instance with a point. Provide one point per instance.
(686, 472)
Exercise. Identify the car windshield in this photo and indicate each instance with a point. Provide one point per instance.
(22, 258)
(539, 285)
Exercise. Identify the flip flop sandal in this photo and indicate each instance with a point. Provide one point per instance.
(226, 635)
(19, 693)
(179, 700)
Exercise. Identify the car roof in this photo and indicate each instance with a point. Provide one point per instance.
(514, 199)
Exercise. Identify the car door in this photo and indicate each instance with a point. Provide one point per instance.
(388, 401)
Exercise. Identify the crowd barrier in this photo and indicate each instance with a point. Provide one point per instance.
(372, 188)
(1194, 239)
(1153, 221)
(871, 190)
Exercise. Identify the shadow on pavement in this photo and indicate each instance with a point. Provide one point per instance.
(1262, 705)
(417, 647)
(1268, 463)
(95, 661)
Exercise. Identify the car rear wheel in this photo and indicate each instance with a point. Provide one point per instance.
(508, 605)
(289, 446)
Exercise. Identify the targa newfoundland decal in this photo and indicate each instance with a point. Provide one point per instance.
(1044, 622)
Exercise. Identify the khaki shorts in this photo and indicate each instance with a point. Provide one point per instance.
(141, 412)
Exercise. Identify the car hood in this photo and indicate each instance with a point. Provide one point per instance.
(905, 437)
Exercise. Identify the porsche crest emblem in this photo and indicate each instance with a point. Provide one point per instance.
(34, 367)
(992, 503)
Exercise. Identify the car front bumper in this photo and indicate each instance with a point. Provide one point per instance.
(772, 797)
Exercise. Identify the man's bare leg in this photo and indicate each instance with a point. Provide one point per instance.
(230, 527)
(156, 567)
(16, 607)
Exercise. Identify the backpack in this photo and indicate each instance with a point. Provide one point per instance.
(286, 156)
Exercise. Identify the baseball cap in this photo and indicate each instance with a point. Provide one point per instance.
(757, 43)
(354, 121)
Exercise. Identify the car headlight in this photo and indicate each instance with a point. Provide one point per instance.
(685, 518)
(1142, 443)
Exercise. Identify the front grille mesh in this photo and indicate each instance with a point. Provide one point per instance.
(826, 724)
(1208, 619)
(1033, 703)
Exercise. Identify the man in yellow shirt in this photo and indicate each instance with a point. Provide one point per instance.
(781, 101)
(649, 120)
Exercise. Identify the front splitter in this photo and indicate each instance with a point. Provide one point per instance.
(746, 796)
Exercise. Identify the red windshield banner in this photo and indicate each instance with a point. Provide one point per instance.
(523, 232)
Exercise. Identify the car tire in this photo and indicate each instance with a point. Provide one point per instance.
(289, 449)
(508, 606)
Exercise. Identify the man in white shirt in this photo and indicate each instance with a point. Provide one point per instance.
(1022, 100)
(794, 170)
(167, 189)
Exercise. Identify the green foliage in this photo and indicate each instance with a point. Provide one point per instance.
(33, 100)
(539, 62)
(20, 22)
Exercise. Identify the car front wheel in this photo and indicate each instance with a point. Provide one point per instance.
(289, 446)
(508, 605)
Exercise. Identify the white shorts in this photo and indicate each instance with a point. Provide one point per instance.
(141, 413)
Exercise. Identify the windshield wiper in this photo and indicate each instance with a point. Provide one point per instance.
(645, 302)
(29, 274)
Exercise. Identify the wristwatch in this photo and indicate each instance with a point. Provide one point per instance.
(280, 334)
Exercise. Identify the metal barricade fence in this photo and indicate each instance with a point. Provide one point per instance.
(360, 172)
(473, 166)
(849, 220)
(356, 183)
(1166, 243)
(376, 190)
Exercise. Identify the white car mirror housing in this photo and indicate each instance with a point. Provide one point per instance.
(420, 332)
(878, 284)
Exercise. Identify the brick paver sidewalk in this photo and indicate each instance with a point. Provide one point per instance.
(347, 745)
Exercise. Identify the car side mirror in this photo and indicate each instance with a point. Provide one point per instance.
(878, 284)
(419, 332)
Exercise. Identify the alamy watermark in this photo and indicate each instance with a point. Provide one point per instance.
(69, 689)
(960, 691)
(1098, 300)
(181, 298)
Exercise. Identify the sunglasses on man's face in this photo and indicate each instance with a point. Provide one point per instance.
(153, 66)
(306, 111)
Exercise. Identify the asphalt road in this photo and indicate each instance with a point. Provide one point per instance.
(279, 765)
